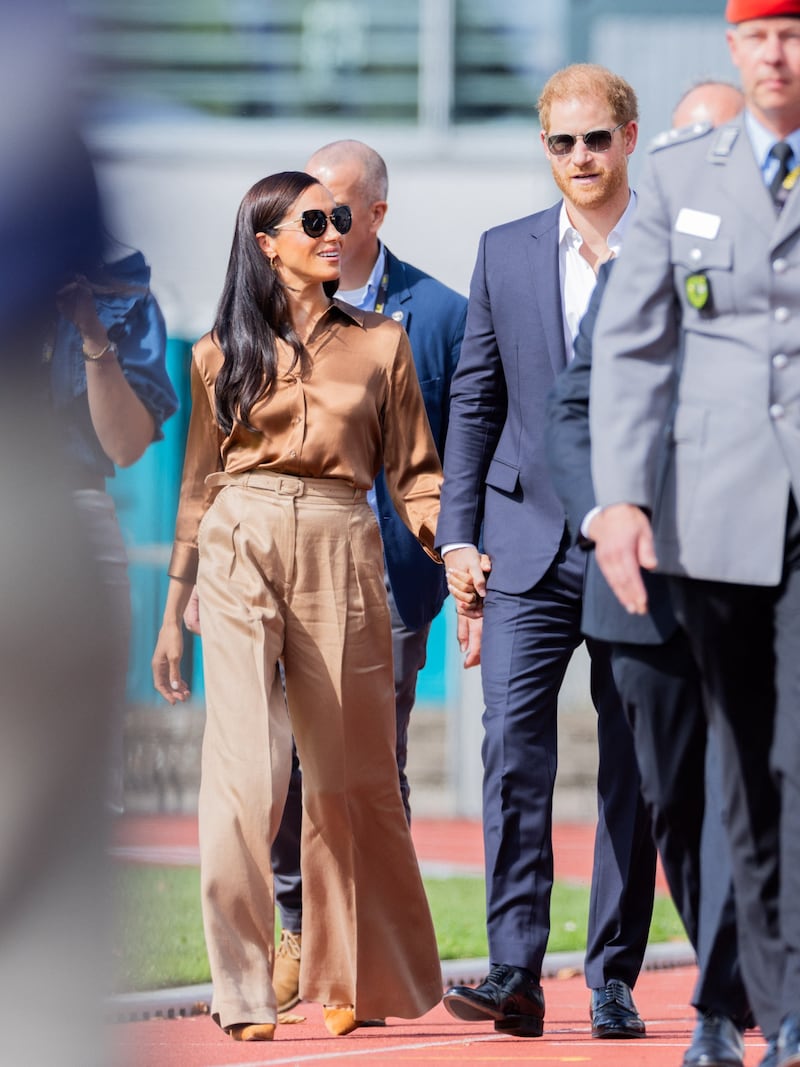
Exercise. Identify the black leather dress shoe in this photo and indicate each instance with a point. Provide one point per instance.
(510, 996)
(789, 1042)
(716, 1042)
(613, 1012)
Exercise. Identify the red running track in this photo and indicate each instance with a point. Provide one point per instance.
(436, 1040)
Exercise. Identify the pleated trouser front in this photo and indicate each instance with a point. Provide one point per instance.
(292, 569)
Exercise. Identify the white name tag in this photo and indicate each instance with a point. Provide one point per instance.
(697, 223)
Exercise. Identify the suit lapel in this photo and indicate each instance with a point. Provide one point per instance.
(398, 295)
(545, 283)
(740, 180)
(743, 183)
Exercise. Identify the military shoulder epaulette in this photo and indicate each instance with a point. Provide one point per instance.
(680, 136)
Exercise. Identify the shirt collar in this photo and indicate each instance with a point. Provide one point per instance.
(568, 235)
(366, 295)
(763, 139)
(357, 315)
(377, 271)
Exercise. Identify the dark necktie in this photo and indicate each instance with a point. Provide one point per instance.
(783, 153)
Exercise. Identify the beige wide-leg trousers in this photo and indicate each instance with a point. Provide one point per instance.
(291, 569)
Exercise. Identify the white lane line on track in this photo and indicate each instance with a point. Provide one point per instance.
(407, 1046)
(411, 1046)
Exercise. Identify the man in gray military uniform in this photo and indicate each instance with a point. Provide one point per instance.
(711, 270)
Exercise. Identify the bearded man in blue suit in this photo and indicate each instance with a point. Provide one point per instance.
(530, 287)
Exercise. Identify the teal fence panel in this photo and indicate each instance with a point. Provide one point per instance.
(145, 496)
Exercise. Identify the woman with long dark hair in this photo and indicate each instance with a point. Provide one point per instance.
(297, 401)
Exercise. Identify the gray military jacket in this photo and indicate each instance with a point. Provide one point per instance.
(697, 352)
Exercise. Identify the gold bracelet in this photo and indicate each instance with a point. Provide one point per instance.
(94, 356)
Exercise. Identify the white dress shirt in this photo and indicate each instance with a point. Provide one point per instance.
(366, 296)
(576, 275)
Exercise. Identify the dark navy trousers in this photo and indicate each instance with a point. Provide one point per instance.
(528, 640)
(679, 762)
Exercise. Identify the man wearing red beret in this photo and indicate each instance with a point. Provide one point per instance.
(697, 345)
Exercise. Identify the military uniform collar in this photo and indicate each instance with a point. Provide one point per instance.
(763, 139)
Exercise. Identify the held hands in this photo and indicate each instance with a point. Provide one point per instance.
(466, 579)
(466, 571)
(470, 636)
(623, 541)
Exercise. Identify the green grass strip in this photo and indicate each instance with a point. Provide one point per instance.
(158, 938)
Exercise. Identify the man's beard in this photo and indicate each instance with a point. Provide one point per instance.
(598, 193)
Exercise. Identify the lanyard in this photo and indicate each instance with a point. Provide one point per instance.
(380, 296)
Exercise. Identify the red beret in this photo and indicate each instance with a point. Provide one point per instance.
(743, 10)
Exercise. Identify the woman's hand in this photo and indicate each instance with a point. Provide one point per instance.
(166, 660)
(167, 664)
(76, 303)
(191, 616)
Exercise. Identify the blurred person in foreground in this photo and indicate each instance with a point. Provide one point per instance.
(298, 399)
(703, 485)
(55, 624)
(105, 364)
(660, 689)
(374, 279)
(532, 281)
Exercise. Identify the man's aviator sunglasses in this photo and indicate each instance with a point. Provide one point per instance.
(561, 144)
(315, 221)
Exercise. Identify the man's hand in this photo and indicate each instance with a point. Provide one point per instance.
(623, 541)
(466, 571)
(470, 634)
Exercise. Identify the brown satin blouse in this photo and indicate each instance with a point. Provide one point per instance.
(356, 408)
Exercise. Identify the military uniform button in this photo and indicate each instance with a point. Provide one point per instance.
(695, 255)
(779, 265)
(780, 361)
(781, 314)
(776, 411)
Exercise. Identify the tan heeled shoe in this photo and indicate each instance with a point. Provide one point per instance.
(252, 1031)
(340, 1019)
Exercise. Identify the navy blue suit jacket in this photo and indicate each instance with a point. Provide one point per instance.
(568, 447)
(433, 316)
(496, 477)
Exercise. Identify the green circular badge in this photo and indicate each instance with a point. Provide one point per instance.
(698, 290)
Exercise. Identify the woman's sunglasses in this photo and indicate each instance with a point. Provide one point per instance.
(561, 144)
(315, 221)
